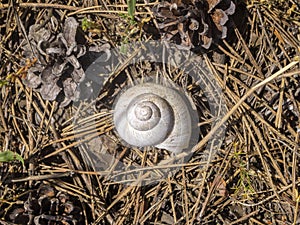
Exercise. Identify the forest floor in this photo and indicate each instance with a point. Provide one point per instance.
(61, 161)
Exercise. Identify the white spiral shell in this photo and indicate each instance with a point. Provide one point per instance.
(150, 114)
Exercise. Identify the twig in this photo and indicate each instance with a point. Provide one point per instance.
(43, 177)
(41, 5)
(238, 104)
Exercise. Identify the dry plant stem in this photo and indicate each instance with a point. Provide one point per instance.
(258, 116)
(83, 11)
(29, 119)
(37, 109)
(42, 177)
(264, 144)
(238, 221)
(115, 163)
(126, 210)
(239, 103)
(137, 5)
(249, 54)
(278, 119)
(73, 190)
(89, 128)
(3, 122)
(261, 157)
(105, 173)
(234, 56)
(22, 28)
(297, 111)
(237, 70)
(255, 222)
(201, 189)
(84, 209)
(268, 38)
(288, 37)
(71, 156)
(295, 166)
(40, 5)
(213, 187)
(157, 206)
(296, 209)
(257, 138)
(16, 124)
(49, 122)
(90, 137)
(74, 124)
(267, 198)
(220, 175)
(137, 207)
(241, 84)
(172, 200)
(121, 195)
(185, 196)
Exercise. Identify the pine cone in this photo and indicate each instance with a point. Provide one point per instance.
(58, 71)
(57, 68)
(47, 206)
(194, 24)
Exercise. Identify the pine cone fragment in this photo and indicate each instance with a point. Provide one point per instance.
(47, 206)
(197, 23)
(58, 72)
(55, 55)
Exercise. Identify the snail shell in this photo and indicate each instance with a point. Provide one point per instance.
(150, 114)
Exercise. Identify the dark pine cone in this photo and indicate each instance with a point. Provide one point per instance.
(58, 71)
(196, 23)
(57, 68)
(47, 206)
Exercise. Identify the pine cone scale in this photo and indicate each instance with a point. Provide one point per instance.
(194, 24)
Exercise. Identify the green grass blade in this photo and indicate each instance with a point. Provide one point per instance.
(131, 8)
(8, 156)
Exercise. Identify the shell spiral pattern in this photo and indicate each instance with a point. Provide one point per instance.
(150, 114)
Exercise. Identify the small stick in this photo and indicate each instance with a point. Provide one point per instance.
(41, 5)
(240, 102)
(43, 177)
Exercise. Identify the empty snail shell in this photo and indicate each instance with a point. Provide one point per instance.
(150, 114)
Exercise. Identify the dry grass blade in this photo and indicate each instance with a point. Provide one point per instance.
(73, 157)
(240, 102)
(40, 5)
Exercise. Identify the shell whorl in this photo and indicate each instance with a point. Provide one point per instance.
(150, 114)
(147, 110)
